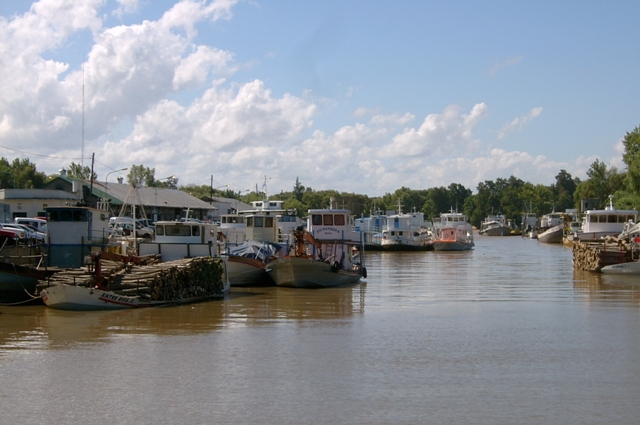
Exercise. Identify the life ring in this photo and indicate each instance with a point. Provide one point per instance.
(335, 267)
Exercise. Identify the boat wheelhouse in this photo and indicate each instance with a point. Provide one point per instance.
(608, 222)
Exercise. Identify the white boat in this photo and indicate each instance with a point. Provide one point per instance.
(630, 268)
(495, 225)
(452, 232)
(551, 228)
(405, 232)
(529, 225)
(265, 221)
(328, 253)
(597, 224)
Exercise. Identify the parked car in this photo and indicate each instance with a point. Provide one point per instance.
(37, 222)
(19, 233)
(7, 237)
(31, 233)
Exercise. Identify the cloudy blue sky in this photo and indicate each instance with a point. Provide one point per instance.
(358, 96)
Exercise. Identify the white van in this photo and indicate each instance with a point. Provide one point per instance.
(39, 223)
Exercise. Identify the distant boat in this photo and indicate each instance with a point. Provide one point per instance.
(452, 232)
(329, 252)
(551, 228)
(405, 232)
(495, 225)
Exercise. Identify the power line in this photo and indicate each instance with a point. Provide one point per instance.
(35, 154)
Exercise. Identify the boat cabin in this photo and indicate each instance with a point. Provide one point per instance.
(182, 239)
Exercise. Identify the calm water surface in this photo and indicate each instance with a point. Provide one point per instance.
(506, 334)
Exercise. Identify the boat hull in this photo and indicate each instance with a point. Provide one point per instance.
(631, 268)
(243, 271)
(554, 234)
(16, 289)
(405, 244)
(301, 272)
(497, 231)
(447, 245)
(82, 298)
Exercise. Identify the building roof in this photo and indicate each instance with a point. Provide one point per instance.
(7, 194)
(120, 193)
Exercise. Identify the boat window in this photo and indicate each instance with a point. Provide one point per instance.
(259, 221)
(177, 230)
(160, 230)
(338, 220)
(327, 219)
(316, 219)
(268, 222)
(195, 230)
(249, 221)
(612, 219)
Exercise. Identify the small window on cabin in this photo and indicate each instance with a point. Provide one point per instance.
(400, 233)
(66, 215)
(268, 222)
(259, 222)
(160, 230)
(328, 219)
(273, 204)
(338, 220)
(316, 219)
(249, 221)
(195, 230)
(612, 219)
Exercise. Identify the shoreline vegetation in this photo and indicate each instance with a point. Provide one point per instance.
(511, 197)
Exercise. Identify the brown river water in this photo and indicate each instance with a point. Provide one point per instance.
(508, 333)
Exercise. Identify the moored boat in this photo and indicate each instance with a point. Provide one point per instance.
(495, 225)
(452, 232)
(629, 268)
(405, 232)
(327, 253)
(551, 228)
(597, 224)
(247, 263)
(136, 282)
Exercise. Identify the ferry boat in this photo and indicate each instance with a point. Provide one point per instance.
(452, 232)
(329, 252)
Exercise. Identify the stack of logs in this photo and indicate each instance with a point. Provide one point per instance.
(198, 277)
(593, 255)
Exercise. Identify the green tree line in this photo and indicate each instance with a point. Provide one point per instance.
(508, 196)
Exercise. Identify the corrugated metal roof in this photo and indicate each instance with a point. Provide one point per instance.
(150, 196)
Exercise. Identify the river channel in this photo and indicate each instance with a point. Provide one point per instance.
(508, 333)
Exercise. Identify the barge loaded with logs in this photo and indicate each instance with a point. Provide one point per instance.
(596, 255)
(113, 281)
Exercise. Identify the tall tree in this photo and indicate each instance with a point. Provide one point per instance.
(139, 176)
(20, 174)
(631, 157)
(77, 171)
(298, 190)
